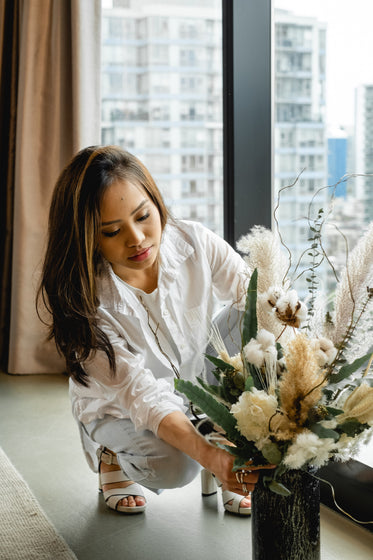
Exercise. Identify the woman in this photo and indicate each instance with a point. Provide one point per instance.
(131, 295)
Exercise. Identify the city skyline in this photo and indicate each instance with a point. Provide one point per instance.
(349, 48)
(168, 63)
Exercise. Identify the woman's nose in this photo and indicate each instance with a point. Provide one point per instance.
(135, 237)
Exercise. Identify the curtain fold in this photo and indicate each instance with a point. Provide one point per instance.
(58, 113)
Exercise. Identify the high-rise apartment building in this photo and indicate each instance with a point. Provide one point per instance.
(162, 98)
(364, 148)
(300, 143)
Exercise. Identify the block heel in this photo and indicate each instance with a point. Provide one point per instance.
(208, 483)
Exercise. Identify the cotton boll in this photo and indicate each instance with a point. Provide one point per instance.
(292, 298)
(328, 348)
(253, 353)
(261, 349)
(273, 295)
(289, 310)
(325, 350)
(265, 338)
(270, 353)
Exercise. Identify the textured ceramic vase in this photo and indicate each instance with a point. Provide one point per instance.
(287, 527)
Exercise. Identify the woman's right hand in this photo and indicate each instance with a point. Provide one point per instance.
(177, 430)
(220, 463)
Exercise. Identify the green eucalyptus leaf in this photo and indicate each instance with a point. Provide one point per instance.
(353, 427)
(328, 393)
(279, 471)
(278, 488)
(250, 323)
(333, 411)
(322, 432)
(348, 369)
(272, 453)
(223, 366)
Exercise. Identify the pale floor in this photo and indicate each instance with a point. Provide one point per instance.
(39, 435)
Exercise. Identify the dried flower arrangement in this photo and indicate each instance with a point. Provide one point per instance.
(299, 392)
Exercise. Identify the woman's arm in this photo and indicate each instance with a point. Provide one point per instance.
(177, 430)
(229, 272)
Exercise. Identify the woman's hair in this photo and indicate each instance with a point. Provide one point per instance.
(71, 264)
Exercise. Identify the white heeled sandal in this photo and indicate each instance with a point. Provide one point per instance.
(115, 495)
(209, 484)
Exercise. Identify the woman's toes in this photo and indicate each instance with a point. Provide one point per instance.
(132, 501)
(140, 501)
(246, 502)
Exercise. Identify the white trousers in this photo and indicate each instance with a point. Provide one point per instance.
(143, 457)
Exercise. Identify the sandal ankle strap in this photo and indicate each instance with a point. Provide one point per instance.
(106, 456)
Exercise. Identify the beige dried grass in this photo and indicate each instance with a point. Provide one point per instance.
(301, 384)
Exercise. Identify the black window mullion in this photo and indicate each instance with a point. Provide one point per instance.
(247, 116)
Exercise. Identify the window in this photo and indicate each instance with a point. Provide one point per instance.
(161, 87)
(320, 117)
(323, 106)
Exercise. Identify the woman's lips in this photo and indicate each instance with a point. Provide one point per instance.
(142, 255)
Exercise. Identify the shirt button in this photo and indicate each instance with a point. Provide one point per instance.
(165, 313)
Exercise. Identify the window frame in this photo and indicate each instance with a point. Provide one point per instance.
(247, 116)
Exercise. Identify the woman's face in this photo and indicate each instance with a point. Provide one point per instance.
(131, 232)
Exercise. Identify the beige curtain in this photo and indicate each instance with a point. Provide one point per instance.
(58, 113)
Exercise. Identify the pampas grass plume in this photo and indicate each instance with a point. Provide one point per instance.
(297, 386)
(351, 292)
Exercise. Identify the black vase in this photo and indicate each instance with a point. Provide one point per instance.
(287, 527)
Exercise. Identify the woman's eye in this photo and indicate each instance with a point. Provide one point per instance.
(144, 217)
(110, 233)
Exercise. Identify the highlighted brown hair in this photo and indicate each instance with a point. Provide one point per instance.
(72, 258)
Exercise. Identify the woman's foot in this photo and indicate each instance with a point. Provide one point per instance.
(131, 501)
(235, 503)
(244, 503)
(119, 493)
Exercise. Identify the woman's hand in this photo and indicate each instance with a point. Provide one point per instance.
(177, 430)
(243, 481)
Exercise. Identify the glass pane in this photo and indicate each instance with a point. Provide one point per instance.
(162, 97)
(323, 119)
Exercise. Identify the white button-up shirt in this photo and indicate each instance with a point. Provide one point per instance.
(197, 268)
